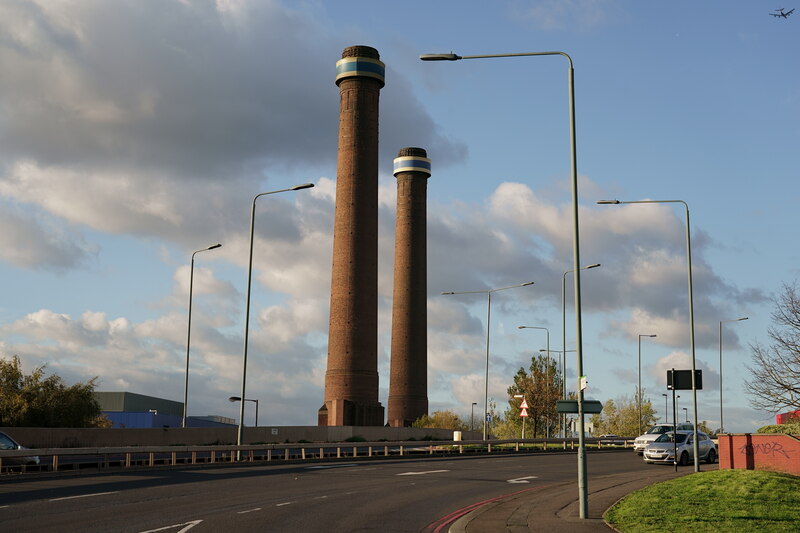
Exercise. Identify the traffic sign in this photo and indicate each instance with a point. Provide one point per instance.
(524, 413)
(524, 404)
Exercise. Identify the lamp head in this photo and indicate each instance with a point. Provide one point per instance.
(608, 202)
(440, 57)
(593, 266)
(214, 246)
(234, 399)
(303, 186)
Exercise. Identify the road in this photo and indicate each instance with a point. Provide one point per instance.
(388, 495)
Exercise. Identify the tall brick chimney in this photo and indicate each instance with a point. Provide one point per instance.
(408, 380)
(351, 380)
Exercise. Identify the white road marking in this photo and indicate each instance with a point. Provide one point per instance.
(521, 479)
(321, 467)
(249, 511)
(189, 525)
(282, 504)
(421, 473)
(83, 496)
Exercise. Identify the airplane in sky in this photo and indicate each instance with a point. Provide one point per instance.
(780, 13)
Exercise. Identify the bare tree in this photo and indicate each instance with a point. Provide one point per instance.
(775, 382)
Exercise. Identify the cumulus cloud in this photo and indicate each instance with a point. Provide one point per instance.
(124, 126)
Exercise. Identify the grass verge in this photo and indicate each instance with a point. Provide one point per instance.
(720, 501)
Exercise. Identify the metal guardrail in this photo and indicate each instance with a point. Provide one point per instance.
(60, 459)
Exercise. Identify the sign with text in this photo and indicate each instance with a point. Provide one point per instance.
(682, 379)
(590, 407)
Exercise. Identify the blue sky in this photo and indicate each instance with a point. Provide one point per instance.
(136, 133)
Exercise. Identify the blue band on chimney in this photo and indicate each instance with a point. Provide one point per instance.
(349, 67)
(412, 164)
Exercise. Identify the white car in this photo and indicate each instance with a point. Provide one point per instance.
(7, 443)
(664, 449)
(642, 441)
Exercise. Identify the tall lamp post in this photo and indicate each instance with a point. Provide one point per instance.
(238, 399)
(488, 329)
(695, 450)
(247, 302)
(639, 390)
(564, 335)
(666, 406)
(721, 424)
(582, 477)
(685, 413)
(189, 334)
(472, 417)
(547, 385)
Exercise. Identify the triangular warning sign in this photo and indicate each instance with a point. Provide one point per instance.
(524, 413)
(524, 404)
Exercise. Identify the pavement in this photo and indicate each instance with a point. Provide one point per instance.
(555, 507)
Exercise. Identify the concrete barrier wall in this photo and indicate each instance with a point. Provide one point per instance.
(756, 451)
(111, 437)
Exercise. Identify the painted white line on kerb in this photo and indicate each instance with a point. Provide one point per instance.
(83, 496)
(421, 473)
(249, 511)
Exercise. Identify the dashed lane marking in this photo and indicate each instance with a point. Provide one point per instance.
(421, 473)
(83, 496)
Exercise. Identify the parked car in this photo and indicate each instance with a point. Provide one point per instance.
(611, 439)
(642, 441)
(7, 443)
(665, 447)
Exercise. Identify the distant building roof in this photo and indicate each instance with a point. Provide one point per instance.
(130, 402)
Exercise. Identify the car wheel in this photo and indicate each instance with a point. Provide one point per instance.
(684, 460)
(711, 458)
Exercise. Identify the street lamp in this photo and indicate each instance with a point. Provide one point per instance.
(582, 477)
(488, 318)
(547, 384)
(239, 399)
(472, 417)
(685, 413)
(721, 424)
(695, 450)
(189, 334)
(666, 413)
(564, 335)
(639, 390)
(247, 302)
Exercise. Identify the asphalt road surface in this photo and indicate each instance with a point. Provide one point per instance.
(387, 495)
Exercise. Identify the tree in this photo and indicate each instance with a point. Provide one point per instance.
(621, 417)
(34, 400)
(775, 373)
(441, 420)
(540, 388)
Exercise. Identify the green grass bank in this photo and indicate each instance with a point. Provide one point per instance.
(739, 501)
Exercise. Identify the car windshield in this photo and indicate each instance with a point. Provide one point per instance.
(668, 437)
(658, 430)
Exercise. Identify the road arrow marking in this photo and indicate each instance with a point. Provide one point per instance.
(189, 525)
(521, 479)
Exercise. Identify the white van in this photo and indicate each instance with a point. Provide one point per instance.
(656, 431)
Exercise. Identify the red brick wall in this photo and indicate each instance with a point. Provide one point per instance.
(777, 452)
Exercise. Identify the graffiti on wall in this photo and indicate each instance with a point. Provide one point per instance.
(773, 449)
